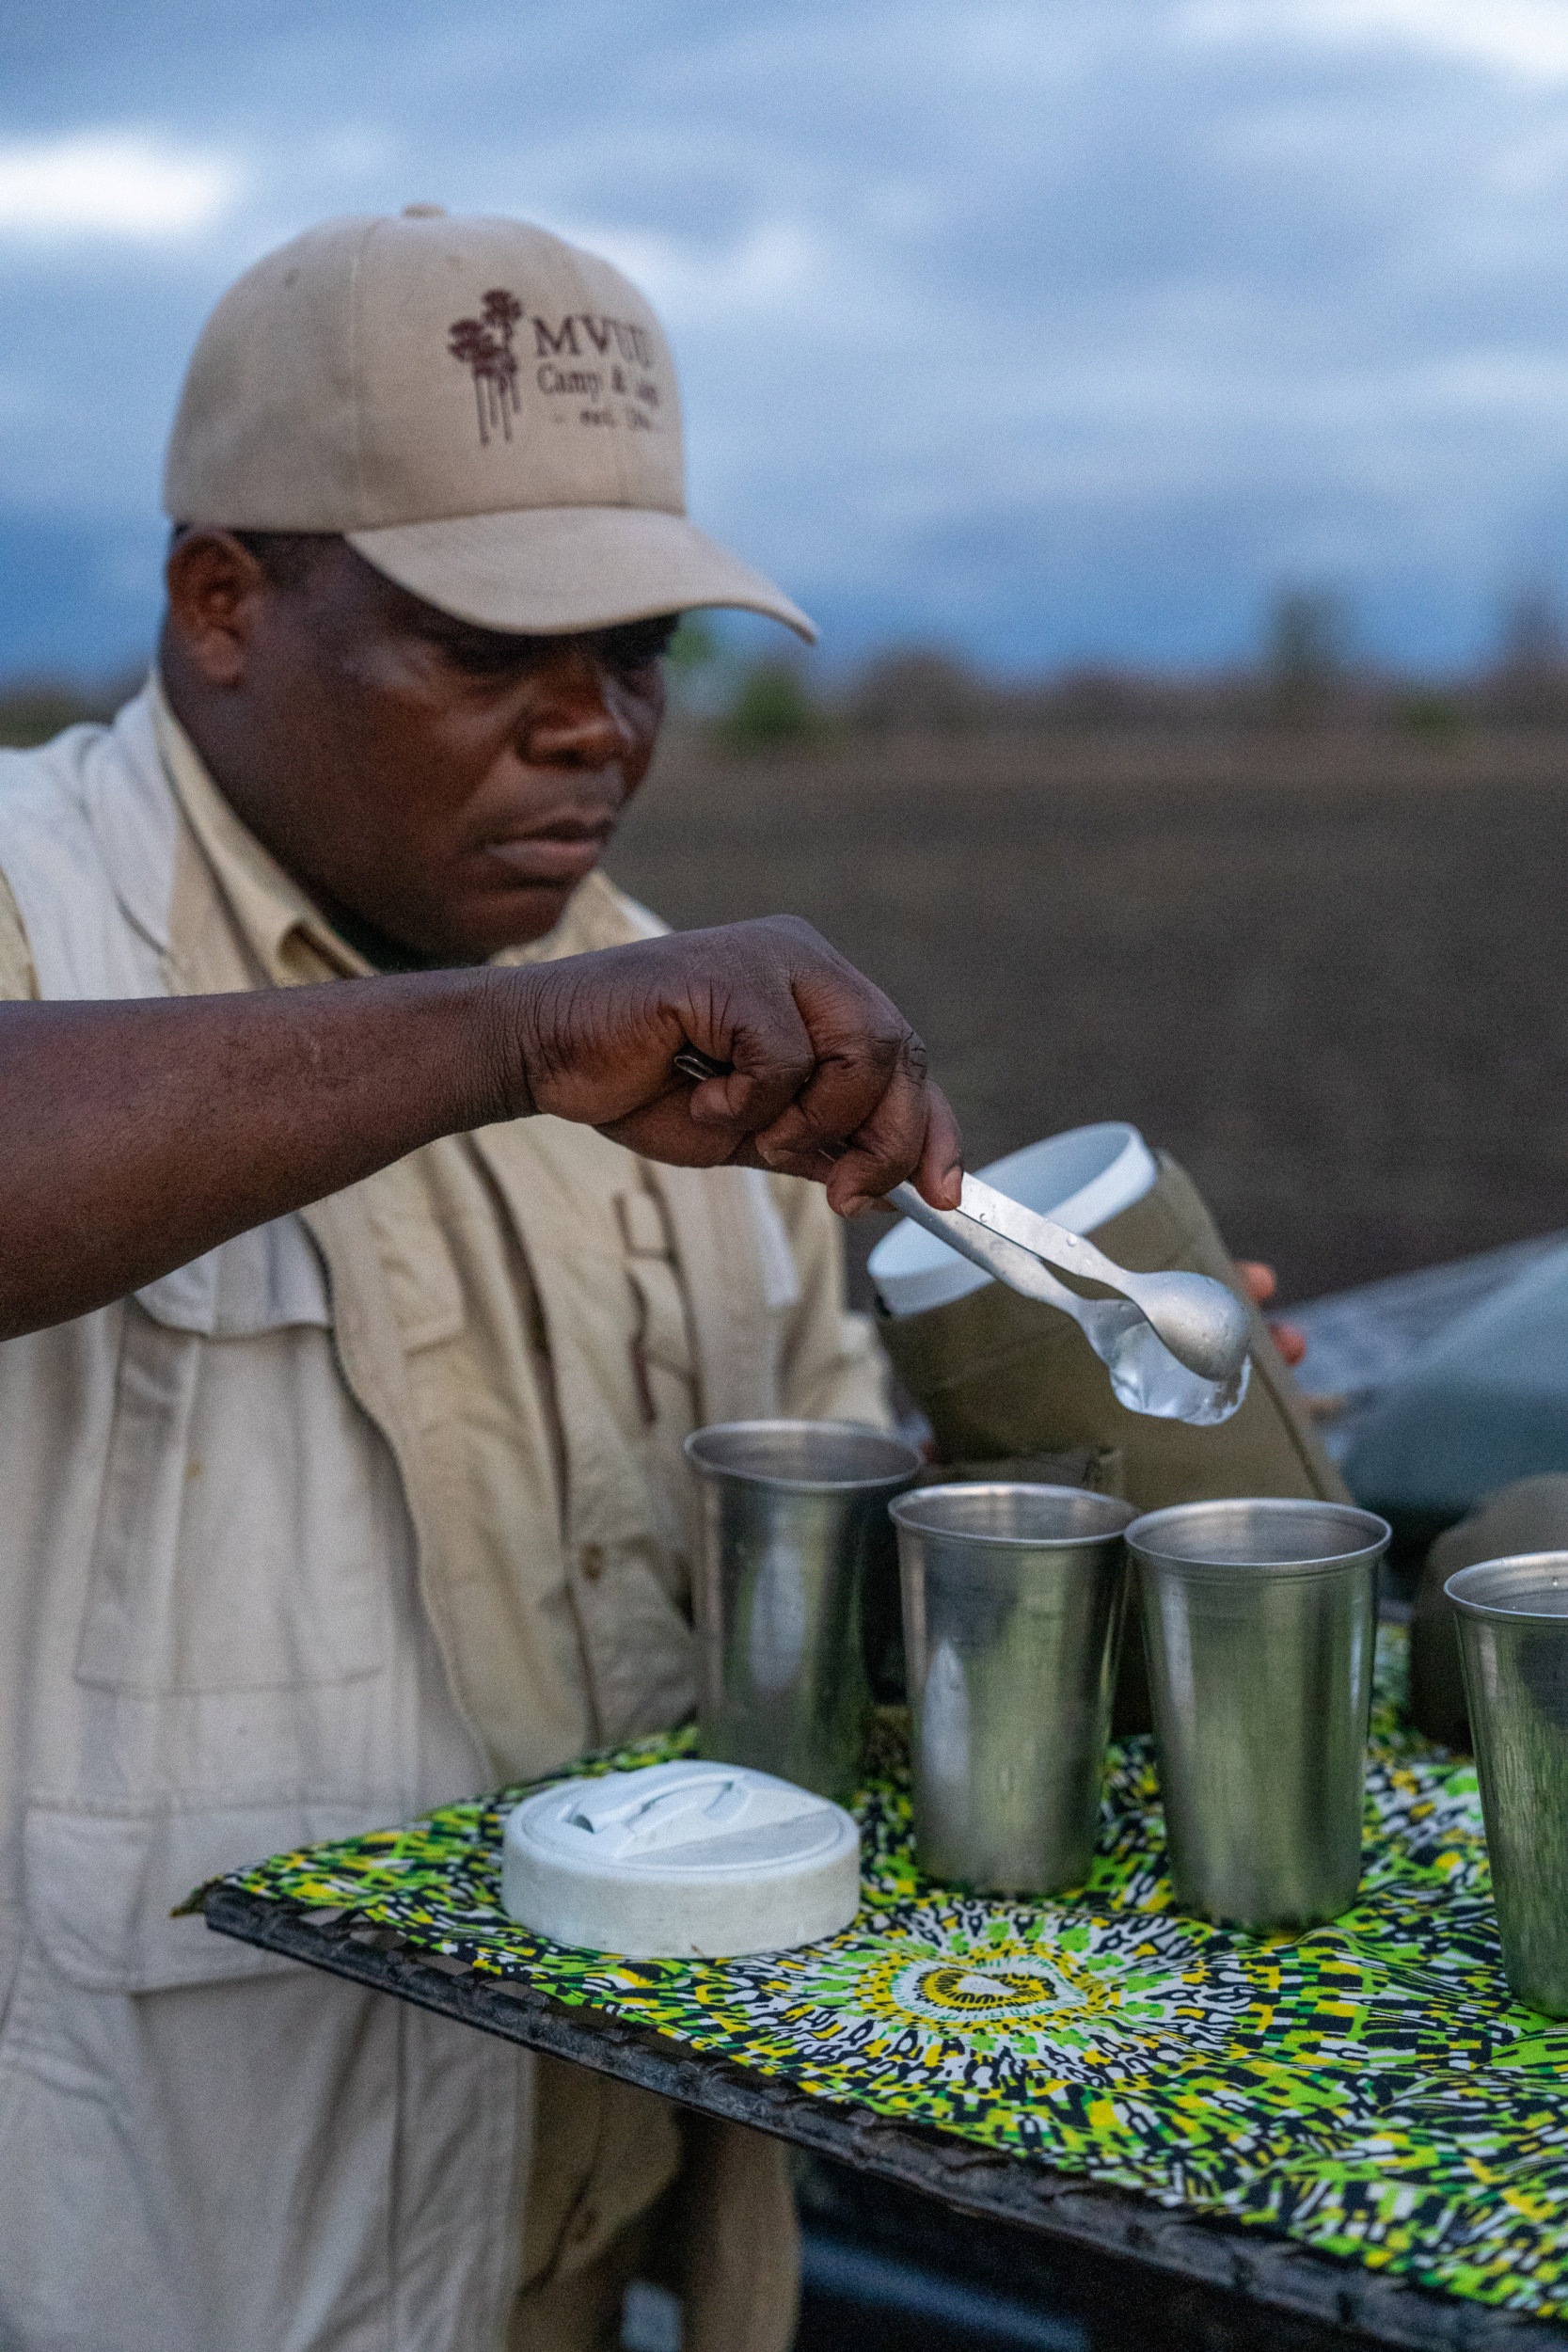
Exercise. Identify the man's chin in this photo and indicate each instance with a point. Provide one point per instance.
(473, 930)
(529, 912)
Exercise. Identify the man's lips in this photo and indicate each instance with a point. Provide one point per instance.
(565, 853)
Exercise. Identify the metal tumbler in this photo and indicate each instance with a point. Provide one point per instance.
(794, 1521)
(1514, 1641)
(1260, 1622)
(1013, 1600)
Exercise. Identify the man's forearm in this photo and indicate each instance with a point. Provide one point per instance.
(135, 1135)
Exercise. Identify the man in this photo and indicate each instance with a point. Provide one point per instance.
(342, 1414)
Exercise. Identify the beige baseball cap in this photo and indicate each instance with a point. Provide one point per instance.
(488, 414)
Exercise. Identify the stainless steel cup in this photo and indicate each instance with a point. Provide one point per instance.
(1260, 1622)
(1013, 1603)
(1514, 1641)
(793, 1520)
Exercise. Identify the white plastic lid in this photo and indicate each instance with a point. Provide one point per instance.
(1081, 1179)
(680, 1861)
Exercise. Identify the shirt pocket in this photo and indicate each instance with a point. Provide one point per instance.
(236, 1545)
(101, 1882)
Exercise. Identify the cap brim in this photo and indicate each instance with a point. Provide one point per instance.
(547, 571)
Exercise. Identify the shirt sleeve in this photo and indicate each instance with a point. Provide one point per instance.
(832, 1367)
(18, 978)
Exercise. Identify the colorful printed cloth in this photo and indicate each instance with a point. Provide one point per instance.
(1367, 2088)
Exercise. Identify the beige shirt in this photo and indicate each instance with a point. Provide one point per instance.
(544, 1308)
(361, 1509)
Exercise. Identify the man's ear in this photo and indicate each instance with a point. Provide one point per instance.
(216, 590)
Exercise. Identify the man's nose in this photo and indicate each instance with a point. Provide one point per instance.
(577, 721)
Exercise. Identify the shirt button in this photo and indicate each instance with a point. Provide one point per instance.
(593, 1562)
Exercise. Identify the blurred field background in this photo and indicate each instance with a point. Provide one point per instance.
(1324, 967)
(1301, 922)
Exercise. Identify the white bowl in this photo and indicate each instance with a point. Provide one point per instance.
(1081, 1179)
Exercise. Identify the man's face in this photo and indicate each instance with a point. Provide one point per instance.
(449, 786)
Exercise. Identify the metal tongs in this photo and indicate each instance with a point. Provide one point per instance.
(1174, 1344)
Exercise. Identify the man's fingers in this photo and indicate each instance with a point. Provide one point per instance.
(909, 1132)
(814, 1045)
(861, 1043)
(853, 1083)
(812, 1065)
(771, 1067)
(917, 1141)
(666, 1131)
(860, 1107)
(864, 1117)
(742, 1013)
(1291, 1340)
(1260, 1281)
(940, 1174)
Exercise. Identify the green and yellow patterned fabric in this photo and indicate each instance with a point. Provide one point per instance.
(1367, 2088)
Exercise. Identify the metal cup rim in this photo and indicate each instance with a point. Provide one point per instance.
(1496, 1613)
(902, 1510)
(890, 1482)
(1352, 1514)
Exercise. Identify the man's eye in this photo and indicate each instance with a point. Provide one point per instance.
(485, 656)
(636, 644)
(482, 653)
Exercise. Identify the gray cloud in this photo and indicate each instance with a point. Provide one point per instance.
(1058, 332)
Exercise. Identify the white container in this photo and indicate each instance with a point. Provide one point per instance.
(680, 1861)
(1081, 1180)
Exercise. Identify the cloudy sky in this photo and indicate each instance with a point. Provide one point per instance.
(1059, 332)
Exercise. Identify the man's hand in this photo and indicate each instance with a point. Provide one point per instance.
(134, 1136)
(828, 1078)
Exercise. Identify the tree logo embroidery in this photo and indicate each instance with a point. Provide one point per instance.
(485, 347)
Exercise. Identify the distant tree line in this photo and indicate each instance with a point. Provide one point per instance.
(1308, 676)
(33, 709)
